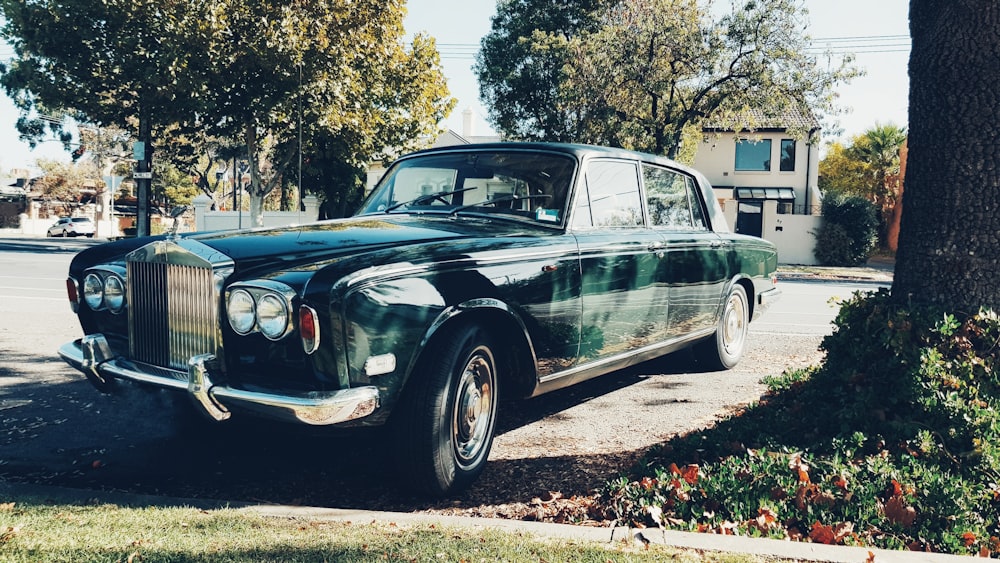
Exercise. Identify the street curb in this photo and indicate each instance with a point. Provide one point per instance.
(799, 551)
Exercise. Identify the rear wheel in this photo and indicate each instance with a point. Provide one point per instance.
(449, 413)
(725, 349)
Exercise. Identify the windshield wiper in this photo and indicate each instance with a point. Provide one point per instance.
(427, 198)
(502, 198)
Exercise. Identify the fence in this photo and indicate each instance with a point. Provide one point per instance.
(207, 220)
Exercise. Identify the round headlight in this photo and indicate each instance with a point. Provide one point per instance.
(272, 316)
(240, 310)
(114, 294)
(93, 291)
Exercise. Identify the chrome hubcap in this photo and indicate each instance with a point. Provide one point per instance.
(474, 409)
(734, 328)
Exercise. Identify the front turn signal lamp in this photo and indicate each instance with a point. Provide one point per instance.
(309, 328)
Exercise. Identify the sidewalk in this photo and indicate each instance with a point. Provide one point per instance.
(879, 269)
(767, 548)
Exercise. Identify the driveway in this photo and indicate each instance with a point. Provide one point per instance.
(56, 429)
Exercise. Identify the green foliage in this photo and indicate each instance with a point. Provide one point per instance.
(61, 181)
(173, 186)
(638, 73)
(104, 62)
(840, 172)
(849, 231)
(260, 76)
(522, 65)
(869, 167)
(893, 442)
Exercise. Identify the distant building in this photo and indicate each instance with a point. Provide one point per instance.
(764, 177)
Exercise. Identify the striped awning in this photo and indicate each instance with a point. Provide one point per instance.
(782, 194)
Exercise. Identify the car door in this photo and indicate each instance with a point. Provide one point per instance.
(624, 299)
(695, 267)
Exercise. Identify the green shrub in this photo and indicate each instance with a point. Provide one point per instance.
(833, 245)
(849, 232)
(893, 442)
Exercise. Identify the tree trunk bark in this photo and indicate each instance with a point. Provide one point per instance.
(949, 241)
(256, 190)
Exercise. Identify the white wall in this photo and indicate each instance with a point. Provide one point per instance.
(792, 234)
(38, 227)
(206, 220)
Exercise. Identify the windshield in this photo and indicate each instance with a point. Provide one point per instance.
(522, 185)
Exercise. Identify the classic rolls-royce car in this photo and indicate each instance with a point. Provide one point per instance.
(469, 274)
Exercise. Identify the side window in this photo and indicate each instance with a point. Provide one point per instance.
(672, 200)
(613, 186)
(697, 211)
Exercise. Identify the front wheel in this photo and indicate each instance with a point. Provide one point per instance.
(448, 416)
(725, 349)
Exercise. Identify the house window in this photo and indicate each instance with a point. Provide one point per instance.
(753, 156)
(787, 155)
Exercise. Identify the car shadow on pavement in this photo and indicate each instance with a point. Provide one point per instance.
(519, 413)
(59, 431)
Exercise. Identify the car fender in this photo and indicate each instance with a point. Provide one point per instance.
(505, 323)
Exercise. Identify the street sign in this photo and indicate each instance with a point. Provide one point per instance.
(142, 175)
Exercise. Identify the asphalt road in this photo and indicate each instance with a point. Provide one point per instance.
(56, 429)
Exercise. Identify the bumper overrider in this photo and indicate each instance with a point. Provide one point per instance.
(92, 355)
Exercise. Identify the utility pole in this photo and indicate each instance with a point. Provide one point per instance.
(143, 175)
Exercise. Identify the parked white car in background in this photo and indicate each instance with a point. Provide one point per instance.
(72, 227)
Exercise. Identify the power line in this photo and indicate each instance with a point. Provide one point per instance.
(843, 45)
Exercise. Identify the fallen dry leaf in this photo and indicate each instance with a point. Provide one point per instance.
(897, 511)
(9, 534)
(822, 534)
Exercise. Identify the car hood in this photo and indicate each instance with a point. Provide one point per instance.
(286, 247)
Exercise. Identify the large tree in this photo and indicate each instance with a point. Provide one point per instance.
(135, 64)
(522, 65)
(949, 241)
(294, 74)
(266, 78)
(643, 72)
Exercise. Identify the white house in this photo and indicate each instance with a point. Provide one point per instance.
(767, 182)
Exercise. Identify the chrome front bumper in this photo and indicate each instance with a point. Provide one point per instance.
(765, 300)
(92, 355)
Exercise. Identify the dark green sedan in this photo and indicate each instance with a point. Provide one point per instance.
(469, 274)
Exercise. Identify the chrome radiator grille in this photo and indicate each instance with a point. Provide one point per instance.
(173, 311)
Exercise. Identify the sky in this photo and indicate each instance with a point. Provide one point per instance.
(876, 31)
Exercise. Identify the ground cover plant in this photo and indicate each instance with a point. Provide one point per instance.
(893, 442)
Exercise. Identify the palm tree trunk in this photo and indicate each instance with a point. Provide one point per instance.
(949, 241)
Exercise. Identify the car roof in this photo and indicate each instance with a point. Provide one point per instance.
(578, 150)
(582, 152)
